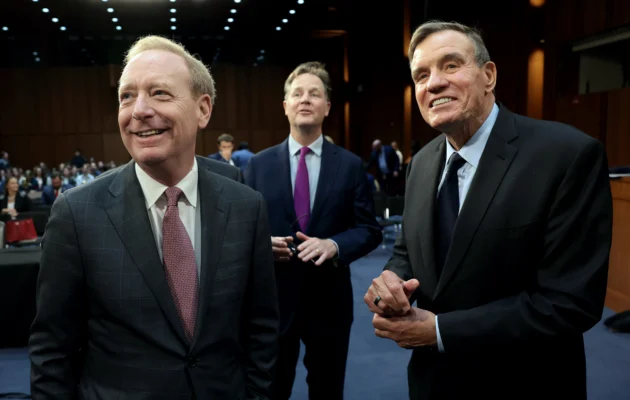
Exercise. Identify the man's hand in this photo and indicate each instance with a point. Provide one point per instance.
(414, 329)
(394, 294)
(280, 249)
(310, 248)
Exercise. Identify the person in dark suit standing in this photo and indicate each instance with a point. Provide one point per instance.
(156, 279)
(52, 191)
(505, 240)
(387, 164)
(319, 200)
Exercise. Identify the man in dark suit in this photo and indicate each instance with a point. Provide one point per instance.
(387, 165)
(225, 145)
(156, 279)
(318, 199)
(506, 233)
(52, 191)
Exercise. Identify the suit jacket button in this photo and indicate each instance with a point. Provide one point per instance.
(192, 362)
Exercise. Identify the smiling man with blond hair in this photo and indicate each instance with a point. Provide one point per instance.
(157, 280)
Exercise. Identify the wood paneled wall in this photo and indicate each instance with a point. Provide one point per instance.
(45, 114)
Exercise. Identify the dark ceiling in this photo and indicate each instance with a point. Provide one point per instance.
(85, 34)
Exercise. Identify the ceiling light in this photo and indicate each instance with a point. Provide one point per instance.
(104, 1)
(173, 1)
(173, 27)
(227, 28)
(233, 11)
(35, 53)
(119, 28)
(237, 1)
(173, 10)
(110, 10)
(300, 1)
(291, 11)
(230, 19)
(285, 20)
(173, 19)
(5, 28)
(278, 28)
(45, 10)
(37, 59)
(63, 28)
(114, 19)
(262, 51)
(55, 20)
(35, 1)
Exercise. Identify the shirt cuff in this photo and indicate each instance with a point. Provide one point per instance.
(337, 246)
(439, 338)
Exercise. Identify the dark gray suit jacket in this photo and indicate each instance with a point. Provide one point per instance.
(526, 272)
(106, 324)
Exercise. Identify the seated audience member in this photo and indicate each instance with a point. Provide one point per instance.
(13, 203)
(53, 190)
(225, 145)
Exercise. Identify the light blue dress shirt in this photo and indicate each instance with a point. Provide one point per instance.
(471, 152)
(313, 165)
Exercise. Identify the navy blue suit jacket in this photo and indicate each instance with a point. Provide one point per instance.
(48, 194)
(343, 211)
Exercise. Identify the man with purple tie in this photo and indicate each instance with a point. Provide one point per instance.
(321, 216)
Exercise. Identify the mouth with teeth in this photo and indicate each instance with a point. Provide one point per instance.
(149, 133)
(441, 101)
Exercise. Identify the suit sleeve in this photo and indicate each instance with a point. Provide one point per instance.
(366, 233)
(568, 296)
(248, 174)
(60, 326)
(263, 317)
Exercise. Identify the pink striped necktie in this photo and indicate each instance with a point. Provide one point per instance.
(302, 192)
(180, 265)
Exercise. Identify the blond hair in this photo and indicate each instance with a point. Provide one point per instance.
(201, 81)
(315, 68)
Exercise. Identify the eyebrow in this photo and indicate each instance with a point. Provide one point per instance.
(454, 56)
(153, 85)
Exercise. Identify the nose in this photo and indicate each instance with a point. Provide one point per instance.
(306, 98)
(437, 82)
(142, 108)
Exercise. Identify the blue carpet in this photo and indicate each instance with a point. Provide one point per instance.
(377, 368)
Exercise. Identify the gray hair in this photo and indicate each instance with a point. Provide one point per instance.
(428, 28)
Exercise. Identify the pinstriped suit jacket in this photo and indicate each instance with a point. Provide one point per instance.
(106, 325)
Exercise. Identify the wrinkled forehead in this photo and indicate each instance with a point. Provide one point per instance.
(439, 44)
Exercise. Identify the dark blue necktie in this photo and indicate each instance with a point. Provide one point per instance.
(447, 209)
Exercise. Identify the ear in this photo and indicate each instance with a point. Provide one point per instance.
(490, 73)
(327, 108)
(284, 105)
(204, 111)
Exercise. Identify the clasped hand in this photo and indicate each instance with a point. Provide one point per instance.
(311, 248)
(394, 318)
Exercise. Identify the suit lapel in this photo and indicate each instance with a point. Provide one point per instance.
(423, 213)
(494, 163)
(283, 167)
(326, 181)
(126, 208)
(214, 216)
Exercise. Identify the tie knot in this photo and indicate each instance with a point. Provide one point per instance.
(456, 162)
(304, 151)
(172, 195)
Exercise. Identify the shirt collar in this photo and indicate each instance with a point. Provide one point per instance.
(316, 146)
(473, 149)
(153, 189)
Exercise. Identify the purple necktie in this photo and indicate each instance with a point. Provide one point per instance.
(180, 265)
(302, 193)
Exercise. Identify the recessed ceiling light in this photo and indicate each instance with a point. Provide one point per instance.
(55, 20)
(291, 11)
(118, 28)
(278, 28)
(63, 28)
(233, 11)
(104, 1)
(35, 53)
(173, 27)
(300, 1)
(5, 28)
(35, 1)
(173, 10)
(110, 10)
(230, 19)
(114, 19)
(262, 51)
(45, 10)
(173, 1)
(227, 28)
(237, 1)
(37, 59)
(285, 20)
(173, 19)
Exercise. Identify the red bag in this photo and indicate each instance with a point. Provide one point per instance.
(19, 230)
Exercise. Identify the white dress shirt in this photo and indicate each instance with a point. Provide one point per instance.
(471, 152)
(189, 212)
(313, 165)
